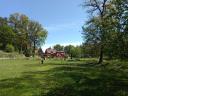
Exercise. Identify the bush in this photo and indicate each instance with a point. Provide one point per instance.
(9, 48)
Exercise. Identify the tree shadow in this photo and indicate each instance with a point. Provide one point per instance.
(91, 81)
(68, 80)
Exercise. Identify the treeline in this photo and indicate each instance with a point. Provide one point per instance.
(21, 34)
(79, 51)
(106, 31)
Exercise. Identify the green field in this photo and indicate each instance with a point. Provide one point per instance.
(63, 78)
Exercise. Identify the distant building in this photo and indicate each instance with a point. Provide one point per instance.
(60, 54)
(54, 53)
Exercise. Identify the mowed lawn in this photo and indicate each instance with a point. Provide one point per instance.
(63, 78)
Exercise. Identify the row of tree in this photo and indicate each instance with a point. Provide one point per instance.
(80, 51)
(19, 33)
(106, 31)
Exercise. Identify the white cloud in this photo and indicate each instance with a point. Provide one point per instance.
(44, 47)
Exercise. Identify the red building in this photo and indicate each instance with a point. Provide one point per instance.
(51, 53)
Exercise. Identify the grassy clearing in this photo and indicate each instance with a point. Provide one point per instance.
(63, 78)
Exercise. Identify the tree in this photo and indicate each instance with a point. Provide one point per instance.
(58, 47)
(69, 50)
(108, 29)
(90, 49)
(37, 35)
(6, 35)
(29, 34)
(96, 24)
(19, 22)
(78, 52)
(119, 16)
(73, 51)
(3, 21)
(24, 34)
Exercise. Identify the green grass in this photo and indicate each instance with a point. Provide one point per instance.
(82, 77)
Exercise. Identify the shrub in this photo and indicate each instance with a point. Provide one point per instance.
(9, 48)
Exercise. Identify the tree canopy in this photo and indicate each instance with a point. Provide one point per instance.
(107, 27)
(24, 34)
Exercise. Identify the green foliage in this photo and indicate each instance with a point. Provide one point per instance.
(6, 36)
(19, 23)
(107, 29)
(90, 50)
(36, 35)
(95, 28)
(3, 21)
(119, 14)
(73, 51)
(77, 52)
(58, 47)
(9, 48)
(24, 34)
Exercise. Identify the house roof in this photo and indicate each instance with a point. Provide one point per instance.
(49, 50)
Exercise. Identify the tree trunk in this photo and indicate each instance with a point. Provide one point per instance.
(34, 49)
(101, 56)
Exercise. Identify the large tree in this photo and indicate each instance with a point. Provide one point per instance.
(37, 35)
(118, 19)
(107, 27)
(29, 34)
(6, 36)
(24, 34)
(6, 33)
(19, 22)
(97, 9)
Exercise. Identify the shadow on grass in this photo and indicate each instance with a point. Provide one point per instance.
(74, 80)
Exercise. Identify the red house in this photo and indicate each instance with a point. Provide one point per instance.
(51, 53)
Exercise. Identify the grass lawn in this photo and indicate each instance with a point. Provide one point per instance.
(63, 78)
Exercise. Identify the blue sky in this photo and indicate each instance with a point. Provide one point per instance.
(63, 19)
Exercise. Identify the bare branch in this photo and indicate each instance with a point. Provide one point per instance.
(98, 6)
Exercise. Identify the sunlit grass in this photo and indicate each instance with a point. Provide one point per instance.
(62, 78)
